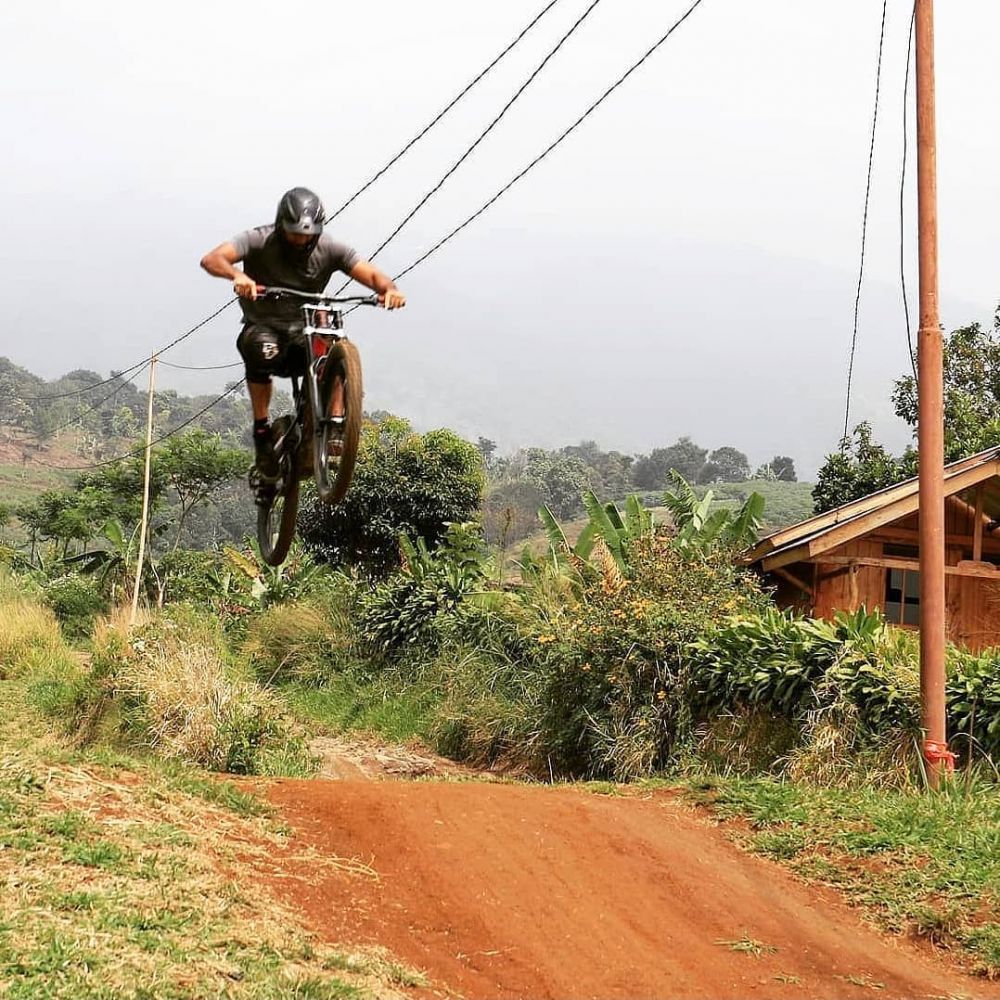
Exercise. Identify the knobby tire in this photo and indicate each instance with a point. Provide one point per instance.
(276, 522)
(333, 474)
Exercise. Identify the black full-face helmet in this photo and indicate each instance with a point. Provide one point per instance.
(300, 211)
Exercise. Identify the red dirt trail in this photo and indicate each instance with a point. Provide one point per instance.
(507, 891)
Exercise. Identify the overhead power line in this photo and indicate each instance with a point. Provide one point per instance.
(132, 369)
(100, 402)
(472, 83)
(489, 128)
(139, 450)
(541, 156)
(864, 229)
(202, 368)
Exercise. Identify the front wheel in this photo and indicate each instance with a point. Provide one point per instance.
(336, 449)
(276, 521)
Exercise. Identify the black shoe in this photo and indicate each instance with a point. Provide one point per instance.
(266, 460)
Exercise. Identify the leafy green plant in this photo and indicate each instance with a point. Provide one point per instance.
(973, 699)
(699, 528)
(404, 610)
(76, 602)
(269, 585)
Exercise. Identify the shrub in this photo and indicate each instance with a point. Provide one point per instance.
(77, 602)
(304, 642)
(845, 691)
(408, 609)
(404, 482)
(973, 698)
(162, 689)
(189, 575)
(593, 686)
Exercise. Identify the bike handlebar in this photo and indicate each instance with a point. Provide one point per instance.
(274, 292)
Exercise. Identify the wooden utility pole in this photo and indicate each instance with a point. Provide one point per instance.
(144, 525)
(930, 422)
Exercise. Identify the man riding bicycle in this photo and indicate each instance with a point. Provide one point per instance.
(292, 253)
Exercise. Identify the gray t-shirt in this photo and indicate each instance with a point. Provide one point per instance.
(267, 259)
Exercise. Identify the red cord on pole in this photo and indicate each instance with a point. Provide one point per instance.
(937, 753)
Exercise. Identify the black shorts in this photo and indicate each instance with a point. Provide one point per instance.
(271, 350)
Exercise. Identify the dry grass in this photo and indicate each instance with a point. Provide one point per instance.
(27, 630)
(172, 693)
(296, 642)
(114, 881)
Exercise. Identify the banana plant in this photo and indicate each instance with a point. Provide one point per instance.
(113, 564)
(699, 528)
(273, 584)
(603, 545)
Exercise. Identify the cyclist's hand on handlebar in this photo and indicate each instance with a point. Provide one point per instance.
(245, 286)
(393, 299)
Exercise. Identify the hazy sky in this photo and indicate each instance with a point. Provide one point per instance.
(684, 264)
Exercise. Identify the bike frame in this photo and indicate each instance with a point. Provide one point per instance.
(322, 323)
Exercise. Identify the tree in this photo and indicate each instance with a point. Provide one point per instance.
(609, 473)
(14, 411)
(404, 482)
(487, 449)
(725, 465)
(510, 511)
(783, 468)
(197, 465)
(971, 391)
(651, 472)
(60, 517)
(124, 423)
(860, 468)
(561, 480)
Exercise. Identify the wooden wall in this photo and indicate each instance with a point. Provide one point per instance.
(972, 603)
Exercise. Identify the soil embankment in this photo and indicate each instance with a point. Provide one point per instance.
(503, 891)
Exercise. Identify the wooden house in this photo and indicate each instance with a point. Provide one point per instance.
(867, 552)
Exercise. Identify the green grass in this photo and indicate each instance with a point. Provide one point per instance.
(921, 864)
(396, 711)
(19, 483)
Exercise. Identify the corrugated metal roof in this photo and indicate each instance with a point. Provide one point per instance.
(860, 513)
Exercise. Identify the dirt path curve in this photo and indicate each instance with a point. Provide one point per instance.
(504, 891)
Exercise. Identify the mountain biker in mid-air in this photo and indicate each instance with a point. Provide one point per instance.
(291, 253)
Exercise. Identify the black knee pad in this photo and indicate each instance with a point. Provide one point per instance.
(261, 349)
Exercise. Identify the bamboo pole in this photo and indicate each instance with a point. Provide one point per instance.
(144, 524)
(930, 424)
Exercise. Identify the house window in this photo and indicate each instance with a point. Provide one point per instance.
(902, 588)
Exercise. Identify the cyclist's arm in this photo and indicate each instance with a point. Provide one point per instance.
(219, 262)
(371, 277)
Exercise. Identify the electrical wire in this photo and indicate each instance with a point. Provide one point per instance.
(100, 402)
(489, 128)
(465, 90)
(141, 448)
(864, 231)
(902, 197)
(538, 159)
(133, 369)
(201, 368)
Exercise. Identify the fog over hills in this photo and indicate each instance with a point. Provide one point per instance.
(684, 264)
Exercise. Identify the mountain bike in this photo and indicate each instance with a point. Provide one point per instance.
(313, 439)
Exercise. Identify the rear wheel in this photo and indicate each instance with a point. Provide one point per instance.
(276, 520)
(333, 471)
